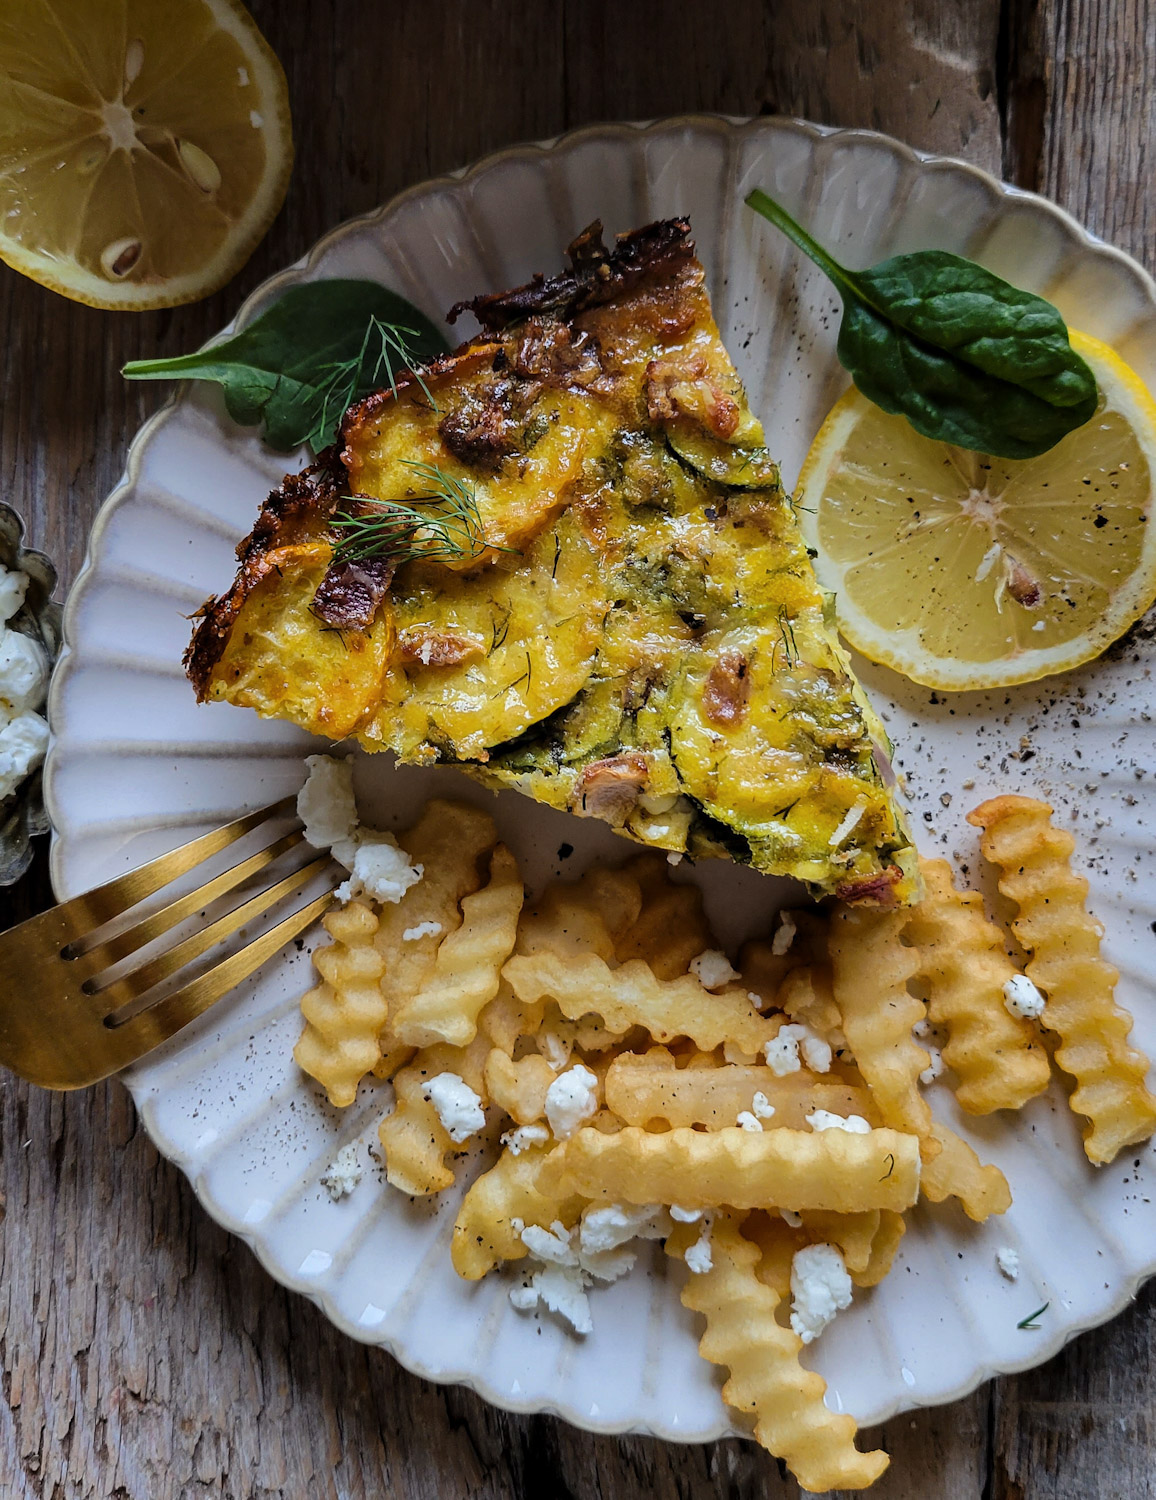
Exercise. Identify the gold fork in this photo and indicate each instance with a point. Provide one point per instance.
(65, 1023)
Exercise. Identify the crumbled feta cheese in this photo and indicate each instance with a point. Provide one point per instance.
(934, 1065)
(550, 1245)
(747, 1121)
(674, 859)
(325, 804)
(572, 1258)
(816, 1052)
(699, 1256)
(782, 1052)
(1008, 1261)
(712, 968)
(554, 1049)
(605, 1232)
(613, 1224)
(562, 1289)
(756, 999)
(784, 934)
(23, 742)
(23, 673)
(761, 1106)
(458, 1107)
(380, 870)
(789, 1216)
(344, 1173)
(423, 929)
(570, 1099)
(825, 1119)
(13, 587)
(921, 1028)
(684, 1215)
(1021, 998)
(820, 1287)
(524, 1137)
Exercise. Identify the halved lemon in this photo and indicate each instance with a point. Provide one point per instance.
(145, 146)
(964, 571)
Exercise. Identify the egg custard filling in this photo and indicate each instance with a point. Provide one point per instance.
(562, 558)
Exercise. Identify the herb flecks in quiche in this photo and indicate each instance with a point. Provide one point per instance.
(632, 630)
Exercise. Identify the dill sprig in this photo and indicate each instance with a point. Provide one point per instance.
(443, 522)
(384, 351)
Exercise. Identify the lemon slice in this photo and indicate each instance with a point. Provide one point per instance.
(965, 571)
(144, 146)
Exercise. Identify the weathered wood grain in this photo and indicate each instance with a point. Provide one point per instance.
(144, 1354)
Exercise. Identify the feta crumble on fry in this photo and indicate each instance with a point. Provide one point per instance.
(825, 1119)
(713, 969)
(820, 1287)
(458, 1107)
(1022, 998)
(570, 1099)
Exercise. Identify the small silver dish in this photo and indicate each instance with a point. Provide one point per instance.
(22, 815)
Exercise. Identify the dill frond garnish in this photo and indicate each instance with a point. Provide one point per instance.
(442, 522)
(385, 349)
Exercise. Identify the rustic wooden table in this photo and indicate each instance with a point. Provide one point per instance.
(143, 1353)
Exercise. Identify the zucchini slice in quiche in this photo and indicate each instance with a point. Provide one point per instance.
(634, 632)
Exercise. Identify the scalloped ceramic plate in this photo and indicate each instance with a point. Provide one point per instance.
(137, 767)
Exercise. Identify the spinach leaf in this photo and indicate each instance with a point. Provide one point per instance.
(298, 365)
(965, 356)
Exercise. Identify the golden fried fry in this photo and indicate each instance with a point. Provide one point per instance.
(413, 1138)
(649, 1089)
(450, 841)
(394, 1055)
(853, 1235)
(506, 1019)
(346, 1010)
(583, 916)
(807, 996)
(792, 1169)
(871, 968)
(766, 1379)
(485, 1232)
(468, 963)
(670, 928)
(892, 1227)
(1054, 926)
(997, 1057)
(632, 996)
(519, 1087)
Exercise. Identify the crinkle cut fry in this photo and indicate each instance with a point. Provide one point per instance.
(414, 1140)
(795, 1169)
(345, 1011)
(870, 970)
(1055, 927)
(485, 1231)
(765, 1378)
(632, 996)
(671, 928)
(468, 963)
(997, 1057)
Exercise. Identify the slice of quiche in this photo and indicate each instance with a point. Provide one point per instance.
(561, 557)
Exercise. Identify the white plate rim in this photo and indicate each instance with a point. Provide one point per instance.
(609, 132)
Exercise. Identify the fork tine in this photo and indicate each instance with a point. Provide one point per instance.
(106, 901)
(153, 1026)
(139, 981)
(104, 955)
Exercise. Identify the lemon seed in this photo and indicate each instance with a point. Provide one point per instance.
(118, 259)
(200, 166)
(133, 60)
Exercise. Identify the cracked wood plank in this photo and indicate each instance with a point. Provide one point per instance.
(144, 1354)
